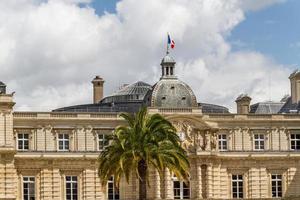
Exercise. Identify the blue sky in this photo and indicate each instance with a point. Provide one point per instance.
(273, 31)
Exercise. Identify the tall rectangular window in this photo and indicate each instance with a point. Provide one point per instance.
(181, 189)
(63, 142)
(112, 191)
(222, 138)
(276, 185)
(28, 188)
(102, 141)
(71, 188)
(23, 141)
(259, 141)
(295, 141)
(237, 186)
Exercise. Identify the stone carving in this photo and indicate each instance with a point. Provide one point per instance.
(213, 142)
(187, 134)
(202, 136)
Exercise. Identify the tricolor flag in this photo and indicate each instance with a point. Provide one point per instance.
(171, 42)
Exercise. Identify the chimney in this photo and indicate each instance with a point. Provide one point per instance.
(6, 119)
(97, 88)
(295, 86)
(2, 88)
(243, 104)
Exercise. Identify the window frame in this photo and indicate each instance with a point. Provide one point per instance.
(63, 140)
(261, 142)
(28, 181)
(103, 140)
(115, 191)
(23, 140)
(221, 142)
(71, 182)
(277, 181)
(181, 188)
(239, 184)
(295, 140)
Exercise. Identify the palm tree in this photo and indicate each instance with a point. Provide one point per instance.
(147, 141)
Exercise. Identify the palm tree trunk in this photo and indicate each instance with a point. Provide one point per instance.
(142, 168)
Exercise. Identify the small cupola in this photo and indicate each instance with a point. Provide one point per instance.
(167, 67)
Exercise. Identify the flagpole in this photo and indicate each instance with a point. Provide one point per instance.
(168, 43)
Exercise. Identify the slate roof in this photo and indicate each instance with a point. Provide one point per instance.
(290, 107)
(130, 107)
(117, 102)
(267, 107)
(212, 108)
(133, 92)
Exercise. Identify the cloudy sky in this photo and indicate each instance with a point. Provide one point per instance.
(51, 50)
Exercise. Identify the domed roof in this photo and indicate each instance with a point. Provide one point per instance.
(167, 59)
(135, 88)
(172, 93)
(133, 92)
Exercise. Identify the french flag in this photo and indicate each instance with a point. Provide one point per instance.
(171, 42)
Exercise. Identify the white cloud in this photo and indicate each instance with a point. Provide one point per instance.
(253, 5)
(50, 50)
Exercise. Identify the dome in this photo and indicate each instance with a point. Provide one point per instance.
(172, 93)
(134, 92)
(167, 59)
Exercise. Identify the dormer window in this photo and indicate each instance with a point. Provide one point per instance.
(23, 141)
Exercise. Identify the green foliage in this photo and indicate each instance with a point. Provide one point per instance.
(150, 139)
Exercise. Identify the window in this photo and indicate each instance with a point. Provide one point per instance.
(63, 142)
(23, 141)
(259, 141)
(222, 142)
(71, 188)
(276, 185)
(28, 188)
(237, 186)
(102, 141)
(112, 191)
(295, 141)
(181, 189)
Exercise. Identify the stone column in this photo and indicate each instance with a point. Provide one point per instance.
(198, 180)
(209, 181)
(168, 185)
(157, 194)
(8, 177)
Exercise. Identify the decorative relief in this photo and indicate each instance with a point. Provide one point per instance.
(186, 132)
(194, 138)
(88, 129)
(214, 139)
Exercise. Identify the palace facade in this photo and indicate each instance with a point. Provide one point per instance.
(251, 154)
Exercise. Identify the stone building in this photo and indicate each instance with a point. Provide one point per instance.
(251, 154)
